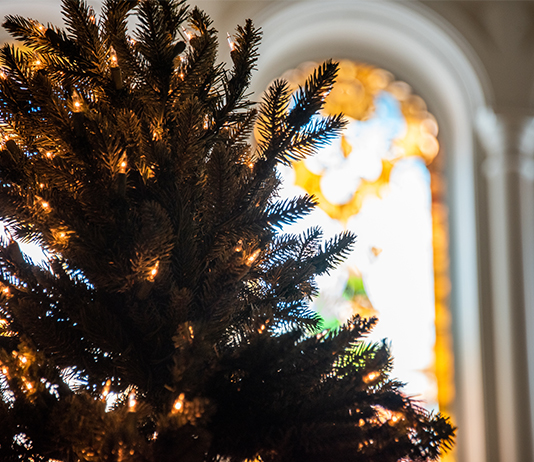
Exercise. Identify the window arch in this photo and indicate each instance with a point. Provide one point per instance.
(418, 47)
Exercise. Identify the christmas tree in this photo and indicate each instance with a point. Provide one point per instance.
(170, 320)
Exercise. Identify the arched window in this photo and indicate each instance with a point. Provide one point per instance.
(417, 46)
(375, 181)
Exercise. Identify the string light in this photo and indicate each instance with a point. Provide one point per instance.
(60, 235)
(123, 164)
(231, 43)
(178, 404)
(239, 246)
(153, 272)
(188, 35)
(157, 134)
(116, 73)
(191, 333)
(92, 17)
(114, 62)
(27, 384)
(77, 102)
(371, 377)
(252, 258)
(107, 388)
(45, 205)
(132, 401)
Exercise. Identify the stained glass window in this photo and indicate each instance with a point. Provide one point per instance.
(382, 180)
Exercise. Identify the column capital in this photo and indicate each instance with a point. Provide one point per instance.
(508, 141)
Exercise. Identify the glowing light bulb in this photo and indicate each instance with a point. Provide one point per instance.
(37, 62)
(178, 404)
(107, 387)
(251, 165)
(2, 74)
(239, 246)
(153, 272)
(231, 43)
(49, 154)
(191, 333)
(5, 290)
(45, 205)
(123, 164)
(114, 62)
(5, 370)
(252, 258)
(157, 134)
(23, 359)
(132, 401)
(371, 377)
(182, 75)
(187, 34)
(77, 102)
(92, 17)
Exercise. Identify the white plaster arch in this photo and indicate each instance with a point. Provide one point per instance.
(420, 48)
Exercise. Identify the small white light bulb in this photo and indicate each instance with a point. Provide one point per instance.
(114, 62)
(231, 43)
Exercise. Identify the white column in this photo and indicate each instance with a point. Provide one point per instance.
(508, 171)
(526, 149)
